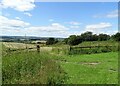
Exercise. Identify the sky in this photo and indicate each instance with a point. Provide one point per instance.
(57, 19)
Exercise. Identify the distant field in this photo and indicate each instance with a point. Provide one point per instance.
(13, 45)
(17, 45)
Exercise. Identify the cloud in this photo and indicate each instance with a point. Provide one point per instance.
(51, 20)
(52, 30)
(19, 27)
(7, 14)
(54, 27)
(110, 32)
(113, 14)
(19, 5)
(74, 23)
(11, 24)
(18, 18)
(28, 14)
(98, 16)
(75, 27)
(97, 28)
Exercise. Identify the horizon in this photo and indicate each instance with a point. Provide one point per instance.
(58, 19)
(49, 36)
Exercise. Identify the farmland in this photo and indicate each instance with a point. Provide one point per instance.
(47, 66)
(19, 46)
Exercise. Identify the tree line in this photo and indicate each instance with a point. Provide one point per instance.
(87, 36)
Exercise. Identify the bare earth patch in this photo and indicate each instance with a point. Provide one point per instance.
(112, 70)
(90, 63)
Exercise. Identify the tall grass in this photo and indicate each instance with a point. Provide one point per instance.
(61, 49)
(0, 63)
(31, 68)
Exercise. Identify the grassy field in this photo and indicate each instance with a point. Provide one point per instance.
(91, 69)
(99, 43)
(22, 46)
(48, 67)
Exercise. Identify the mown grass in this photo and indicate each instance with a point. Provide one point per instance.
(91, 69)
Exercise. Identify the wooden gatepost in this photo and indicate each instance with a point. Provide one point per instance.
(38, 48)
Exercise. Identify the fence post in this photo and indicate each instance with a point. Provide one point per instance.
(70, 48)
(58, 51)
(38, 48)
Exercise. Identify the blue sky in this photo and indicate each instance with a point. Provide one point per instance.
(58, 19)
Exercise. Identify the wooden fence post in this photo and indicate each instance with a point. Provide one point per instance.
(70, 48)
(38, 48)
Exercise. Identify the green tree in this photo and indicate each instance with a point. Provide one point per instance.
(87, 36)
(94, 37)
(74, 40)
(65, 40)
(51, 41)
(116, 37)
(103, 37)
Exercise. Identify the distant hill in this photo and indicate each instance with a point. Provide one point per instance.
(23, 38)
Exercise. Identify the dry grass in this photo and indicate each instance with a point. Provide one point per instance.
(17, 45)
(13, 45)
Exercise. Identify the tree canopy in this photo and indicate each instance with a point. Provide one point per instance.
(89, 36)
(116, 37)
(51, 41)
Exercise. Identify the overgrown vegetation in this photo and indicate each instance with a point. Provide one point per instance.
(31, 68)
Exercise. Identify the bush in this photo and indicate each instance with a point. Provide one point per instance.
(73, 40)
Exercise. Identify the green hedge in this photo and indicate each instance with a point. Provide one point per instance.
(93, 50)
